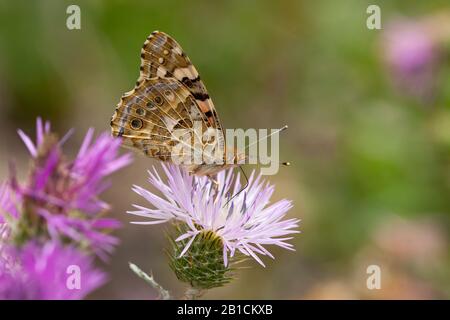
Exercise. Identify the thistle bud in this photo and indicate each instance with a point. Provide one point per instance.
(202, 265)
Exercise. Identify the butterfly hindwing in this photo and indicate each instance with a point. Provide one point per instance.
(147, 117)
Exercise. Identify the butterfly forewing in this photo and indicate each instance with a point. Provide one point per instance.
(163, 57)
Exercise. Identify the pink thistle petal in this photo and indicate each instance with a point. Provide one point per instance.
(28, 143)
(247, 223)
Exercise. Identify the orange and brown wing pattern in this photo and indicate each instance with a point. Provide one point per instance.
(163, 57)
(147, 117)
(168, 95)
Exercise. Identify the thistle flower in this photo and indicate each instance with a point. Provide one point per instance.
(412, 56)
(210, 222)
(55, 219)
(60, 199)
(409, 47)
(81, 180)
(41, 272)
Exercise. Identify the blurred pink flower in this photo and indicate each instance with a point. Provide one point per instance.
(422, 242)
(40, 272)
(411, 56)
(65, 193)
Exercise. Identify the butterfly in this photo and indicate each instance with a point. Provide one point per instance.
(169, 97)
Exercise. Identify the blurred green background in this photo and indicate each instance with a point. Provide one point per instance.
(370, 173)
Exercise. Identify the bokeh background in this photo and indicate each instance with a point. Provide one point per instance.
(368, 111)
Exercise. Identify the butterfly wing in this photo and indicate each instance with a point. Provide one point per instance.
(168, 95)
(163, 57)
(147, 118)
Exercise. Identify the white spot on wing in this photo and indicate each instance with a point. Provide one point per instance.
(188, 72)
(161, 72)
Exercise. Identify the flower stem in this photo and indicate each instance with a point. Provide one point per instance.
(163, 293)
(193, 293)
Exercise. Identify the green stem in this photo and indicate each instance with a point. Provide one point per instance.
(163, 293)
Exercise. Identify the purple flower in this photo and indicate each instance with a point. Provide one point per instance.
(61, 197)
(245, 223)
(50, 271)
(411, 54)
(82, 178)
(409, 47)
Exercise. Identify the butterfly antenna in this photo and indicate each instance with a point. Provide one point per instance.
(286, 163)
(267, 136)
(245, 186)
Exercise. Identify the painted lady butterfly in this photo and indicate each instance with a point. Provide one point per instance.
(170, 96)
